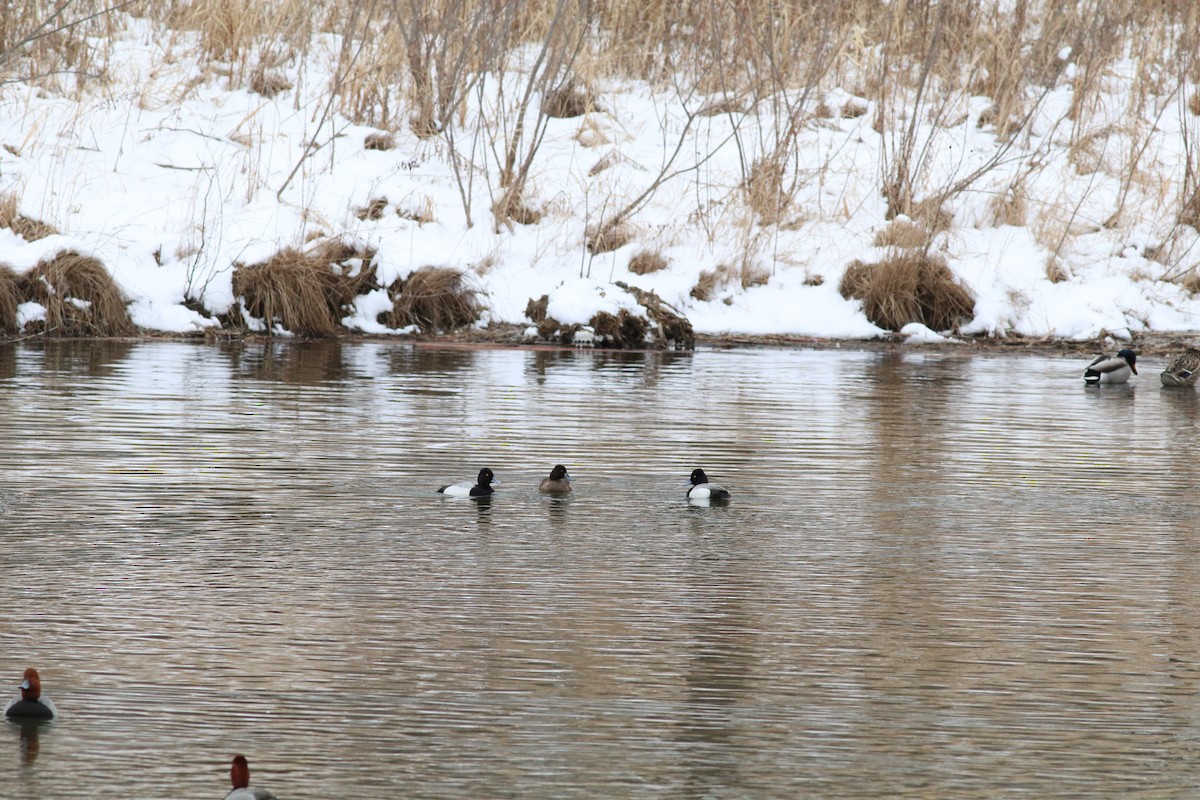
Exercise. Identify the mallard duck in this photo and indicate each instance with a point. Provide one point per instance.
(1111, 369)
(559, 481)
(1183, 369)
(481, 488)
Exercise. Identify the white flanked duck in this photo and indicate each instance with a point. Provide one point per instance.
(1111, 369)
(701, 489)
(481, 488)
(1183, 369)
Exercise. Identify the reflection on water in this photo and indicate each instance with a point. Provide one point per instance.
(941, 575)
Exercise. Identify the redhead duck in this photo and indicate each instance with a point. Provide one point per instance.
(239, 775)
(701, 489)
(1111, 369)
(559, 481)
(31, 704)
(1183, 369)
(481, 488)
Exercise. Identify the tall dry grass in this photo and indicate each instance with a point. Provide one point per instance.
(421, 64)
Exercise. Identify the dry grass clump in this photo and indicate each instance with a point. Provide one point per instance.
(569, 100)
(380, 140)
(1189, 210)
(668, 327)
(421, 212)
(1008, 208)
(510, 207)
(712, 280)
(269, 83)
(535, 310)
(644, 262)
(79, 295)
(764, 190)
(27, 228)
(306, 293)
(372, 210)
(606, 237)
(902, 233)
(910, 286)
(10, 299)
(435, 299)
(623, 330)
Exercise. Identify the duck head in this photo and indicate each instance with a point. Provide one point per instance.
(239, 773)
(31, 686)
(1130, 358)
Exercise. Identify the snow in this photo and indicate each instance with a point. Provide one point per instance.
(171, 188)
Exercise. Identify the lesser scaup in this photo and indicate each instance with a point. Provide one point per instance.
(559, 481)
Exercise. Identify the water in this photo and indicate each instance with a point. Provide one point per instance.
(942, 574)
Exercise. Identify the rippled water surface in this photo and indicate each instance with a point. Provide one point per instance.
(942, 575)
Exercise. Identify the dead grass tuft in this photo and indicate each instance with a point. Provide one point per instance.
(79, 295)
(668, 327)
(902, 233)
(420, 211)
(269, 83)
(516, 210)
(27, 228)
(606, 238)
(644, 262)
(10, 299)
(569, 100)
(623, 330)
(373, 210)
(535, 310)
(763, 189)
(1055, 273)
(713, 280)
(1189, 211)
(435, 299)
(306, 293)
(1009, 208)
(380, 140)
(909, 286)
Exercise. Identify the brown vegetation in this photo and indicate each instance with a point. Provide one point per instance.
(10, 298)
(307, 293)
(79, 295)
(435, 299)
(645, 262)
(909, 286)
(26, 227)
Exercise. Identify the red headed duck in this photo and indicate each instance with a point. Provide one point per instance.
(30, 705)
(239, 775)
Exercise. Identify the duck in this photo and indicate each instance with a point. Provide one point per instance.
(559, 481)
(239, 775)
(30, 705)
(1183, 369)
(1111, 369)
(481, 488)
(701, 489)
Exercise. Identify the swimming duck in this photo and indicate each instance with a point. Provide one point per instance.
(239, 775)
(1111, 369)
(31, 704)
(481, 488)
(701, 489)
(559, 481)
(1183, 369)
